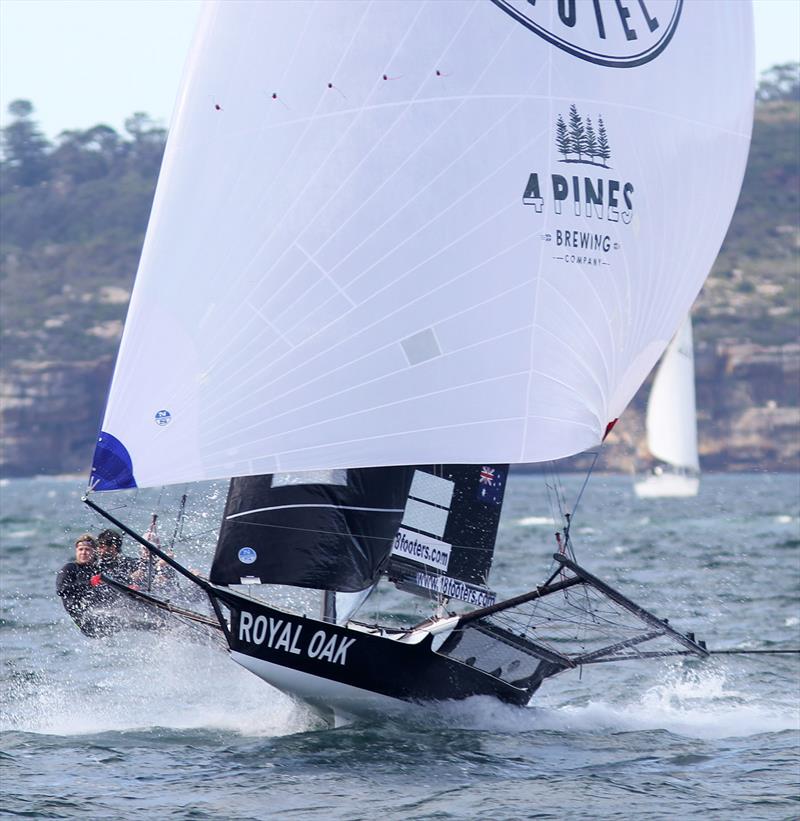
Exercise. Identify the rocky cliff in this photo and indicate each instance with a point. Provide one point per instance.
(748, 411)
(748, 399)
(50, 413)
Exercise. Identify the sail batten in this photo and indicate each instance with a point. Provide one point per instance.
(405, 233)
(311, 506)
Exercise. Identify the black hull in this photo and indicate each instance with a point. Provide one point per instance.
(322, 662)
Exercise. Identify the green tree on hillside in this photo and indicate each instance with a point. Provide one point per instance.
(81, 156)
(24, 148)
(780, 82)
(148, 139)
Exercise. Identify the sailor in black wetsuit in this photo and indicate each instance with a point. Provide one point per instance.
(74, 585)
(112, 561)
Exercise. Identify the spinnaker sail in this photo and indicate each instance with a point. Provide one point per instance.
(420, 233)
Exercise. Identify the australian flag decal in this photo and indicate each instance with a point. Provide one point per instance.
(490, 485)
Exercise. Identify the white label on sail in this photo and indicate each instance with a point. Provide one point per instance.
(424, 233)
(456, 589)
(421, 548)
(425, 517)
(310, 477)
(433, 489)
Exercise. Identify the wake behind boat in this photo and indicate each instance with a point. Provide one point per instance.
(395, 248)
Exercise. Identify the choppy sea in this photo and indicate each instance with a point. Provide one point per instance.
(151, 726)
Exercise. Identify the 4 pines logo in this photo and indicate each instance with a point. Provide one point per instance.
(595, 197)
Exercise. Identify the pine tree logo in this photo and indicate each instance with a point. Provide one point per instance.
(582, 142)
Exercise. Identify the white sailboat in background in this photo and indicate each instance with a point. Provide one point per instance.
(395, 247)
(672, 423)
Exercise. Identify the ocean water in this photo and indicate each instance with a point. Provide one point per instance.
(156, 726)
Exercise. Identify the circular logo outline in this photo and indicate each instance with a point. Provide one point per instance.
(247, 555)
(610, 61)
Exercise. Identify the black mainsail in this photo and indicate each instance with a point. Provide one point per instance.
(431, 528)
(328, 530)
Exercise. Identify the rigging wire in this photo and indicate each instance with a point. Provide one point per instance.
(596, 456)
(586, 610)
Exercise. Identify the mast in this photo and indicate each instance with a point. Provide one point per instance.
(329, 606)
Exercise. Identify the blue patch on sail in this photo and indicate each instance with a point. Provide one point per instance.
(112, 468)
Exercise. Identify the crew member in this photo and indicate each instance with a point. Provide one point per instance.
(112, 561)
(74, 584)
(154, 573)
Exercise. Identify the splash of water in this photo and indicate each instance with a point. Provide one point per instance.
(690, 703)
(139, 682)
(534, 521)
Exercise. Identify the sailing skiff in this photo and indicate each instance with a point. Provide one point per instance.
(394, 248)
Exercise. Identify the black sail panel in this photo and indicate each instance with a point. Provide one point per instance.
(330, 532)
(445, 543)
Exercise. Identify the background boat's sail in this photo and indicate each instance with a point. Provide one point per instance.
(327, 530)
(412, 233)
(671, 411)
(445, 543)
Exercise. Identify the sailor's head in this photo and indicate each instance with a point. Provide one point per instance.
(85, 549)
(109, 543)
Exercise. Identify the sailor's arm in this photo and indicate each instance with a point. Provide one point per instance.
(65, 581)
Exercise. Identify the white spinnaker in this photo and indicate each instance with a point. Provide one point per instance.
(671, 412)
(341, 269)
